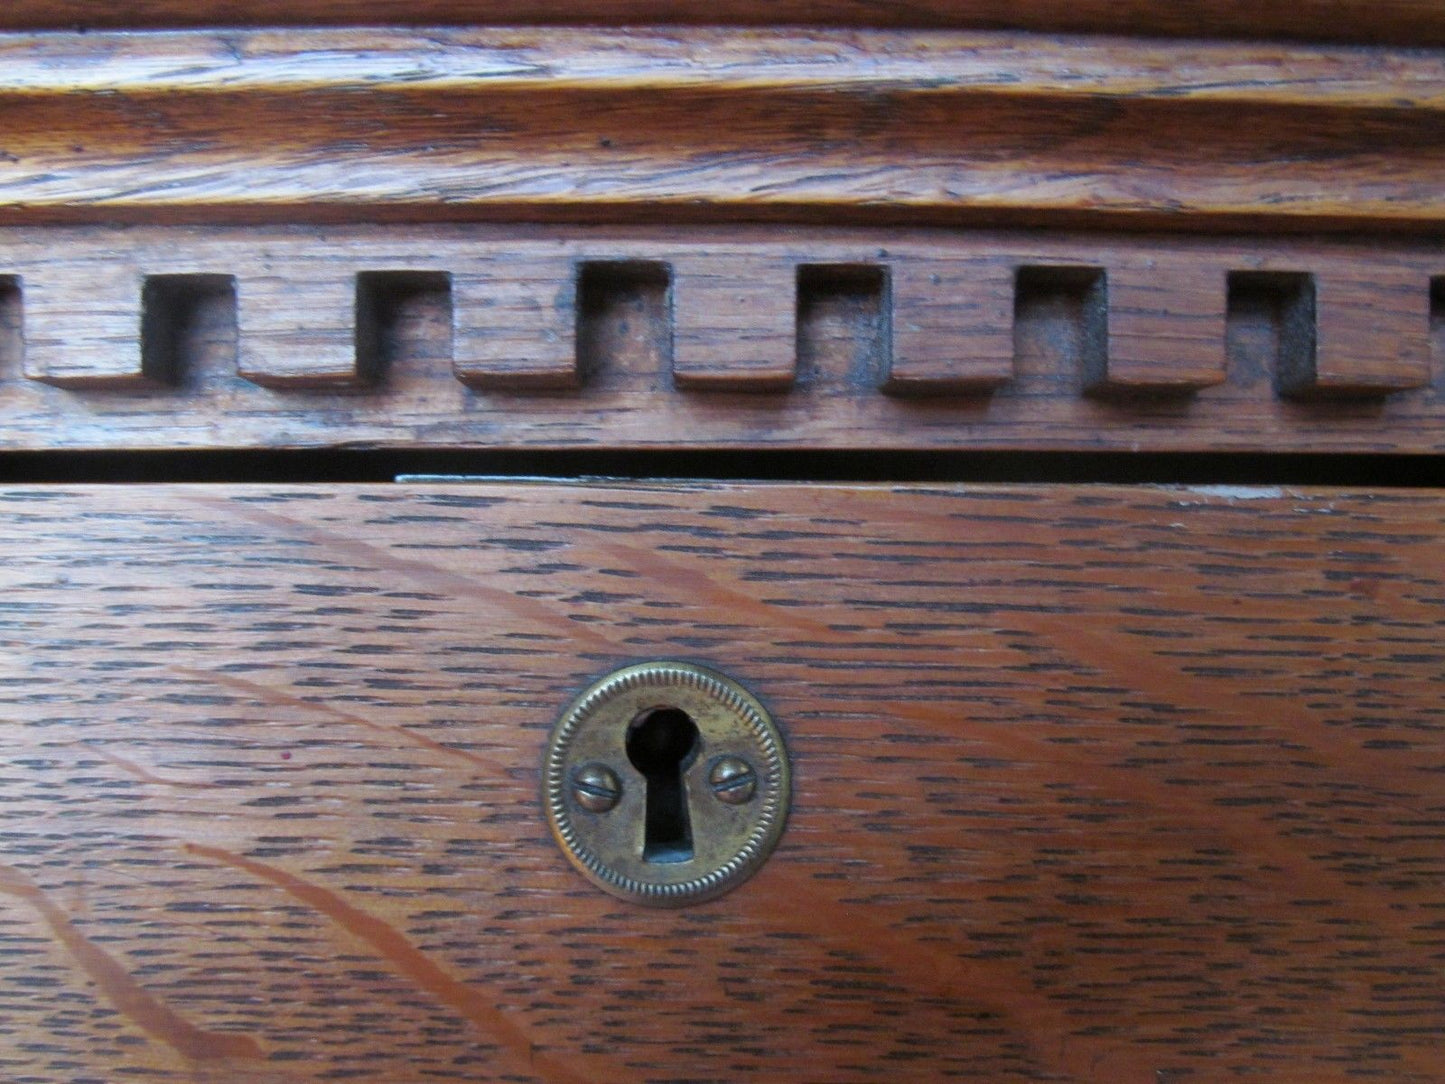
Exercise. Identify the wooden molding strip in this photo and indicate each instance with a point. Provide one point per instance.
(823, 125)
(550, 337)
(1403, 22)
(486, 61)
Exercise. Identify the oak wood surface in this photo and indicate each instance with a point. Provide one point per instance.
(723, 337)
(1405, 22)
(1107, 784)
(821, 125)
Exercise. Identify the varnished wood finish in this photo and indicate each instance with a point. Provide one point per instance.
(951, 326)
(1167, 328)
(1367, 338)
(1123, 785)
(1406, 22)
(514, 323)
(735, 322)
(824, 125)
(1134, 785)
(297, 333)
(84, 330)
(571, 337)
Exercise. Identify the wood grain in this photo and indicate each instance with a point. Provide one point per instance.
(735, 323)
(951, 326)
(1092, 783)
(630, 337)
(824, 125)
(85, 331)
(514, 324)
(1404, 22)
(1178, 303)
(1366, 341)
(297, 332)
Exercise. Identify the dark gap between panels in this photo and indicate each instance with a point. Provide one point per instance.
(381, 465)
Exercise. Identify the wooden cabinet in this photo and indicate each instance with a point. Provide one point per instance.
(1128, 782)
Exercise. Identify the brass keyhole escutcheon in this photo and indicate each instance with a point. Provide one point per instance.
(666, 783)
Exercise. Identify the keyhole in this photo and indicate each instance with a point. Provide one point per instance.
(662, 743)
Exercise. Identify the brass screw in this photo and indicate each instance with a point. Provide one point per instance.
(733, 780)
(596, 787)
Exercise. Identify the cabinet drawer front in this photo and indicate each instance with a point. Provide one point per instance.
(1089, 783)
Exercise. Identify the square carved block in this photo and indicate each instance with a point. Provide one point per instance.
(952, 326)
(734, 322)
(84, 331)
(515, 324)
(299, 330)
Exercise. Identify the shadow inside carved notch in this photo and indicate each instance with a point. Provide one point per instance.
(12, 322)
(1061, 325)
(1284, 303)
(403, 319)
(843, 322)
(624, 317)
(188, 324)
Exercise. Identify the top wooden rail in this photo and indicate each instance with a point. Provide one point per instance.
(829, 60)
(820, 125)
